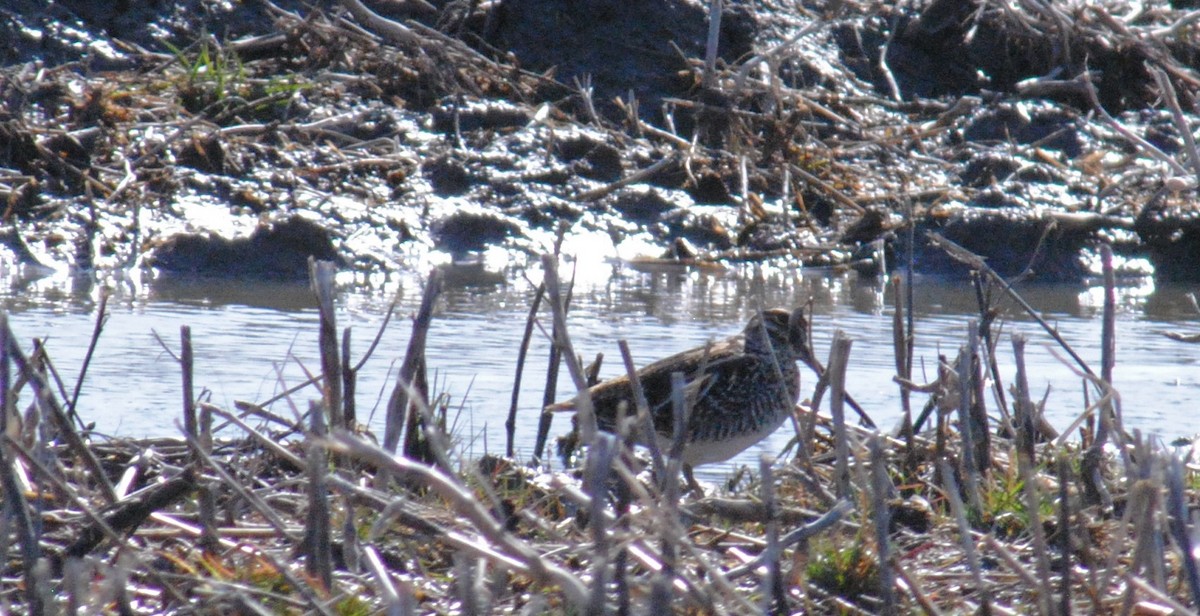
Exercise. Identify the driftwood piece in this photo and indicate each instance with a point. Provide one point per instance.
(131, 512)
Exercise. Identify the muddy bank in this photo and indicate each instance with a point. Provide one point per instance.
(178, 138)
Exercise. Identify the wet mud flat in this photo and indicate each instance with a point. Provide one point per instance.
(248, 140)
(974, 504)
(237, 140)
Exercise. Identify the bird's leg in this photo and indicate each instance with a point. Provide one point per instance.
(693, 485)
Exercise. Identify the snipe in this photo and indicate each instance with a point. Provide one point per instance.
(740, 389)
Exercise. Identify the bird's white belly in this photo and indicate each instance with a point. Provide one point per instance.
(709, 452)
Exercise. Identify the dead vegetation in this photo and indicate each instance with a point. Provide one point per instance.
(974, 504)
(1069, 122)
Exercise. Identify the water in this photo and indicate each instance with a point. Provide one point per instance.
(253, 341)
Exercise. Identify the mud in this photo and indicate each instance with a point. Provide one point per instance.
(193, 138)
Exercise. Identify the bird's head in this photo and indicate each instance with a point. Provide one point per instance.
(778, 329)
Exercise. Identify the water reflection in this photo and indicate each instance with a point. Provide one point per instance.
(254, 340)
(273, 295)
(1172, 303)
(32, 287)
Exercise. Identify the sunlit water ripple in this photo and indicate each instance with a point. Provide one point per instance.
(252, 341)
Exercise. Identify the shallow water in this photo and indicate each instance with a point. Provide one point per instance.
(252, 341)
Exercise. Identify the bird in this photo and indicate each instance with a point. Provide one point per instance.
(740, 389)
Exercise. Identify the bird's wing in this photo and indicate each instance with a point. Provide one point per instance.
(716, 374)
(655, 378)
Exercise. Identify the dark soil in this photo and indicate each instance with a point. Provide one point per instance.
(192, 137)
